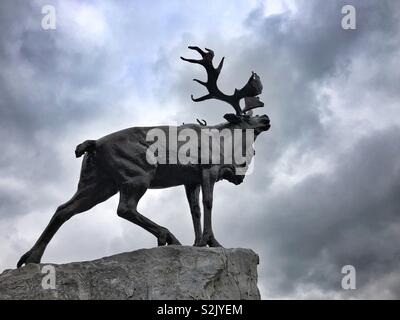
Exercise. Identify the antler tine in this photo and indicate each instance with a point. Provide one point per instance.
(220, 65)
(192, 60)
(210, 51)
(202, 122)
(201, 82)
(196, 48)
(206, 60)
(206, 97)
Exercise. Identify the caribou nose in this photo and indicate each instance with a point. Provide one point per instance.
(265, 119)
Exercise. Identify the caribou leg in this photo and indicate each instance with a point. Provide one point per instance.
(209, 177)
(130, 194)
(192, 194)
(94, 187)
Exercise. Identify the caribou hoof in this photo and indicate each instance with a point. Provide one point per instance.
(28, 257)
(166, 237)
(197, 242)
(209, 239)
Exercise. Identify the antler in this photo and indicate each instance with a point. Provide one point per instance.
(251, 89)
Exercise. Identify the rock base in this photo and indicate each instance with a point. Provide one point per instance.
(171, 272)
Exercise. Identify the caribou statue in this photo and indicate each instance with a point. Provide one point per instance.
(120, 162)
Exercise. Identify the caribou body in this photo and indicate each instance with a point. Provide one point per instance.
(119, 162)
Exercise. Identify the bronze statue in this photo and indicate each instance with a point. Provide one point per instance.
(119, 162)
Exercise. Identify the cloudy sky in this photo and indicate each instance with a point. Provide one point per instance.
(325, 191)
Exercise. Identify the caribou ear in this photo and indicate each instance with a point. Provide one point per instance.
(232, 118)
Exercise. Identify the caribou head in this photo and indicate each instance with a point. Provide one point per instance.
(249, 92)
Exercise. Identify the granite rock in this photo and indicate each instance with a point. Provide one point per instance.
(171, 272)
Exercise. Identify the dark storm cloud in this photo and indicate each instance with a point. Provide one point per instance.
(33, 111)
(349, 216)
(51, 82)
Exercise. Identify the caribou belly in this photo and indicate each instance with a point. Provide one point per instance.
(172, 175)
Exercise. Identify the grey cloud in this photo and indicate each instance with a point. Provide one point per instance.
(349, 217)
